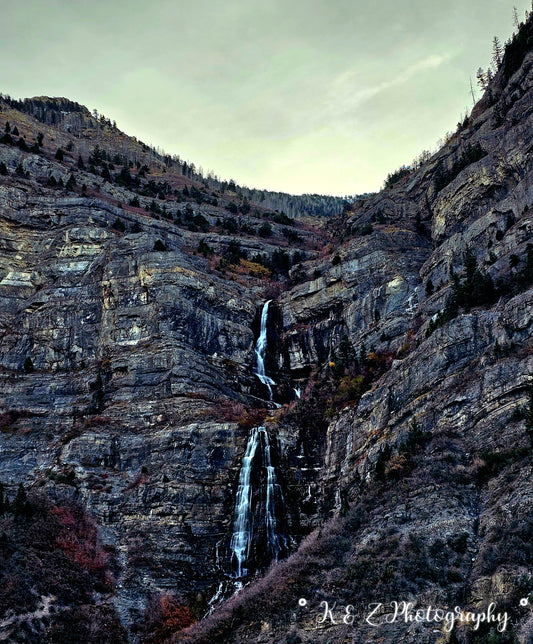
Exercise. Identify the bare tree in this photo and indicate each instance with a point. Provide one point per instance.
(472, 92)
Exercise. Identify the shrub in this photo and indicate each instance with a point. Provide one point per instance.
(254, 268)
(53, 549)
(165, 614)
(397, 175)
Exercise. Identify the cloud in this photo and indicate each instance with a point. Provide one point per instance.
(313, 94)
(346, 95)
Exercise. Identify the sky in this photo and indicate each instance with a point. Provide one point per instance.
(316, 96)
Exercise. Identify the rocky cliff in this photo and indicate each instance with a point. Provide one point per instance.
(415, 337)
(130, 307)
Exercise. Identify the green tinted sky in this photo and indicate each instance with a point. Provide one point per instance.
(302, 96)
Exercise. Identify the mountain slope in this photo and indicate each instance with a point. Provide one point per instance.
(131, 296)
(426, 459)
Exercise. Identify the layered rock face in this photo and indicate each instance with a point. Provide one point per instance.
(127, 348)
(126, 367)
(429, 471)
(117, 361)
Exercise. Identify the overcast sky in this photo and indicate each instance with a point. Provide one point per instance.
(322, 96)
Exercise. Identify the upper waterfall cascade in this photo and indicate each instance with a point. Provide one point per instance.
(260, 350)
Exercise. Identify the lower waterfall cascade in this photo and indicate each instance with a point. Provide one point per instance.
(245, 525)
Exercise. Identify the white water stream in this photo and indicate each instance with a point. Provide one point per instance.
(243, 521)
(260, 350)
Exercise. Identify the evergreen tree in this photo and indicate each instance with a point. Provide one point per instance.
(159, 246)
(60, 154)
(363, 354)
(19, 507)
(346, 353)
(119, 225)
(7, 139)
(470, 264)
(516, 20)
(124, 177)
(98, 394)
(234, 252)
(381, 461)
(3, 169)
(529, 413)
(81, 165)
(265, 230)
(497, 52)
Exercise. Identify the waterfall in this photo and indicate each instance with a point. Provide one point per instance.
(243, 524)
(270, 510)
(260, 350)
